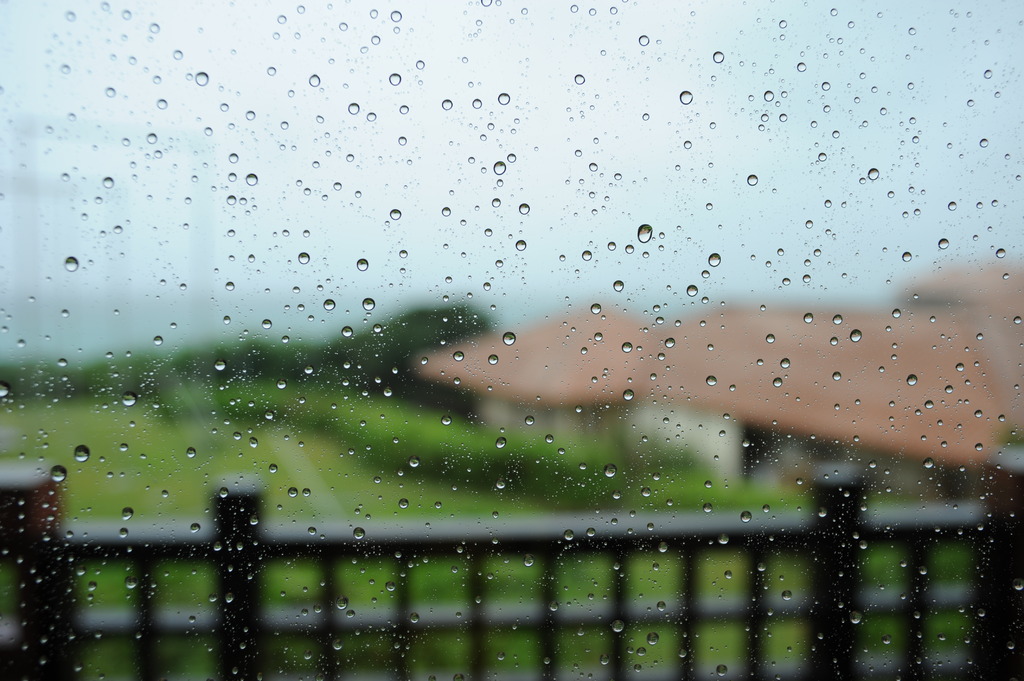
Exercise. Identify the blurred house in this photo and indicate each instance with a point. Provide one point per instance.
(751, 388)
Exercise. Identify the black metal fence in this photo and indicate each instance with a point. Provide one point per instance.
(840, 591)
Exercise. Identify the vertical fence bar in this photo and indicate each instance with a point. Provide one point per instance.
(999, 616)
(756, 620)
(835, 580)
(914, 669)
(477, 633)
(620, 619)
(688, 610)
(401, 640)
(237, 564)
(330, 664)
(146, 634)
(547, 618)
(29, 514)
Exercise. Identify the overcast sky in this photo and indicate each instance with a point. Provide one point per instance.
(186, 154)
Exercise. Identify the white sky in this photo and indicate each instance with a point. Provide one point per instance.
(908, 93)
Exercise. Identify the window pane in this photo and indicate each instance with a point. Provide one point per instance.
(672, 339)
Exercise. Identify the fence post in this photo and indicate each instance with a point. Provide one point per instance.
(29, 534)
(1000, 573)
(236, 554)
(835, 577)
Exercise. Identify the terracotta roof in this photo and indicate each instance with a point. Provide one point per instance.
(906, 384)
(576, 359)
(918, 380)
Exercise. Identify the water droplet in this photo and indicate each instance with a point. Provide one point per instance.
(618, 285)
(836, 376)
(127, 512)
(524, 208)
(596, 308)
(58, 473)
(358, 533)
(521, 245)
(353, 108)
(362, 264)
(314, 80)
(395, 79)
(303, 258)
(508, 338)
(329, 304)
(129, 398)
(770, 338)
(618, 626)
(943, 244)
(251, 179)
(447, 105)
(686, 97)
(499, 168)
(691, 290)
(652, 638)
(644, 233)
(718, 57)
(528, 560)
(951, 205)
(396, 214)
(627, 395)
(711, 380)
(912, 379)
(627, 347)
(752, 180)
(71, 264)
(670, 342)
(580, 80)
(907, 257)
(610, 470)
(929, 462)
(81, 453)
(644, 41)
(745, 516)
(369, 304)
(714, 259)
(202, 78)
(492, 359)
(458, 355)
(500, 442)
(5, 388)
(855, 335)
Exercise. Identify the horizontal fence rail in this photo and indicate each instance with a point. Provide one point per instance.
(838, 592)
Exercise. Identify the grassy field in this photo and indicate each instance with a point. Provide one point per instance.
(319, 455)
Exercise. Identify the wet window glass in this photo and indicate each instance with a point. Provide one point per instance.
(502, 340)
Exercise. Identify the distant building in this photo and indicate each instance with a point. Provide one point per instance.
(936, 377)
